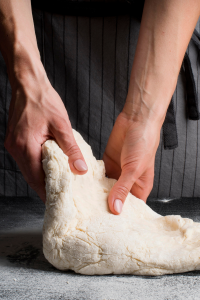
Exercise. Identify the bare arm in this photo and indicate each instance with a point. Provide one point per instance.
(36, 111)
(18, 43)
(166, 29)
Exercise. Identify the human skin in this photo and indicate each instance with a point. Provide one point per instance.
(37, 113)
(166, 28)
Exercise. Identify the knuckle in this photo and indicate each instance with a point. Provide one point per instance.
(19, 142)
(12, 143)
(131, 170)
(73, 150)
(61, 125)
(122, 191)
(128, 168)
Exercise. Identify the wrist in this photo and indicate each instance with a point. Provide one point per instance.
(142, 112)
(149, 95)
(23, 61)
(25, 69)
(144, 119)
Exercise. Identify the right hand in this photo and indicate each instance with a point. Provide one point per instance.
(129, 157)
(37, 114)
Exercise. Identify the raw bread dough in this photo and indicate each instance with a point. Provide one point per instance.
(81, 234)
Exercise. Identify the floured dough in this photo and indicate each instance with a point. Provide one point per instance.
(81, 234)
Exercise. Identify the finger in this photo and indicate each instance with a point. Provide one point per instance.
(113, 170)
(63, 134)
(120, 190)
(143, 186)
(29, 160)
(140, 192)
(34, 174)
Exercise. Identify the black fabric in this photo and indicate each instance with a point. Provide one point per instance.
(192, 100)
(88, 61)
(196, 39)
(169, 128)
(92, 8)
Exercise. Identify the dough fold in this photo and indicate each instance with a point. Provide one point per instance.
(79, 232)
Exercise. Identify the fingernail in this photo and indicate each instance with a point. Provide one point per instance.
(118, 206)
(80, 165)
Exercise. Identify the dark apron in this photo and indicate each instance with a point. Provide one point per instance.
(87, 49)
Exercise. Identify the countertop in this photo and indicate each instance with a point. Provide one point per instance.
(26, 274)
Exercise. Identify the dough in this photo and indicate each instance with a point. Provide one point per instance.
(81, 234)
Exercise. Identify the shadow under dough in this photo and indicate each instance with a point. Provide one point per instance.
(23, 249)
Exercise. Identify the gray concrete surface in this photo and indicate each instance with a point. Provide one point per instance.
(25, 273)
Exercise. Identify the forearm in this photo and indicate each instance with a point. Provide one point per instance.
(18, 41)
(166, 29)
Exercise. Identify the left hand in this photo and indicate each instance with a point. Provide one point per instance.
(129, 157)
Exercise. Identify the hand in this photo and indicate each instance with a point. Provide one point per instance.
(165, 31)
(129, 157)
(37, 114)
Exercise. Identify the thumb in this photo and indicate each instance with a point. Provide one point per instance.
(120, 191)
(66, 141)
